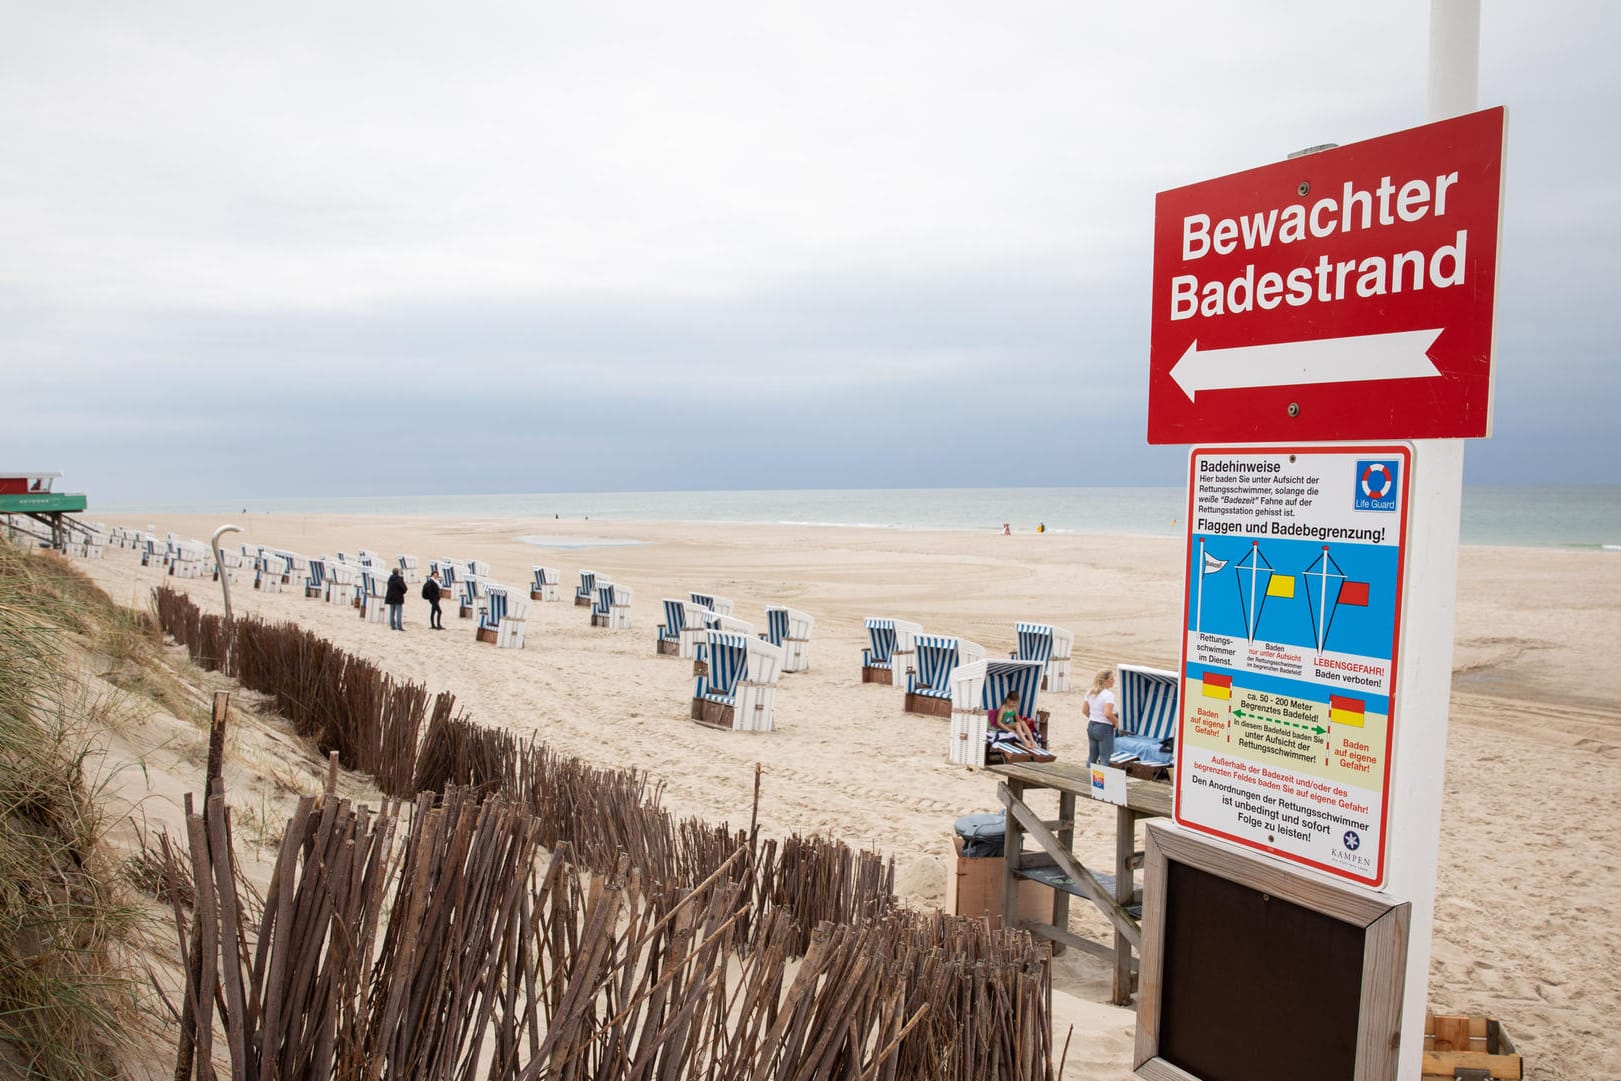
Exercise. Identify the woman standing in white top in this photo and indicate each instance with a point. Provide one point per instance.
(1101, 719)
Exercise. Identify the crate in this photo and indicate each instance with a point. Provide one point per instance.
(974, 888)
(1468, 1047)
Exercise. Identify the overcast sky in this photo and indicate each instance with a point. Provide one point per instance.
(327, 249)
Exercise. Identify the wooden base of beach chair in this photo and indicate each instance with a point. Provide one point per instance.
(598, 619)
(700, 668)
(668, 649)
(312, 591)
(878, 675)
(485, 634)
(582, 602)
(713, 714)
(927, 705)
(463, 612)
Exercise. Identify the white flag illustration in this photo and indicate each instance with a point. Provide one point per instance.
(1212, 564)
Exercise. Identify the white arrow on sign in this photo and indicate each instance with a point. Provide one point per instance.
(1399, 355)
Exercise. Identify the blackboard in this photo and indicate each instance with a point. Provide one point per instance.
(1256, 971)
(1256, 988)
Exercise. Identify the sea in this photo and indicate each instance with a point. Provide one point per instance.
(1571, 516)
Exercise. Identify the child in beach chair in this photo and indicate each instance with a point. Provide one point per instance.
(1012, 735)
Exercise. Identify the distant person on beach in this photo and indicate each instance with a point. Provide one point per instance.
(1041, 527)
(1008, 720)
(1101, 719)
(430, 593)
(394, 597)
(1007, 531)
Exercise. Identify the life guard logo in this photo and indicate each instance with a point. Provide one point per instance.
(1375, 485)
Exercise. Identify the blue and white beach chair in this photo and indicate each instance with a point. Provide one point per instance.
(738, 691)
(1146, 700)
(977, 691)
(719, 605)
(790, 629)
(544, 586)
(586, 595)
(502, 620)
(472, 599)
(373, 588)
(697, 621)
(887, 641)
(928, 687)
(667, 639)
(1051, 646)
(268, 572)
(315, 584)
(409, 571)
(612, 609)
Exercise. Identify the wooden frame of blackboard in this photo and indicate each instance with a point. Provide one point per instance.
(1382, 921)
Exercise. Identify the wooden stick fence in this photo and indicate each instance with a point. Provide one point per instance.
(493, 959)
(444, 944)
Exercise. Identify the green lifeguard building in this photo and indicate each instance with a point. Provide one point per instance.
(31, 494)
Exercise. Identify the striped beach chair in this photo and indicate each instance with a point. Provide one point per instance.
(738, 691)
(586, 595)
(612, 609)
(373, 588)
(1051, 646)
(268, 571)
(501, 621)
(472, 598)
(790, 629)
(341, 579)
(1147, 700)
(696, 621)
(718, 605)
(448, 577)
(544, 586)
(928, 687)
(510, 633)
(885, 638)
(409, 571)
(315, 584)
(667, 638)
(977, 691)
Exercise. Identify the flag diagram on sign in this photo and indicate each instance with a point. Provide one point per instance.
(1294, 566)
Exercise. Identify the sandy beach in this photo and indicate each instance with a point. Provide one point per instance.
(1526, 926)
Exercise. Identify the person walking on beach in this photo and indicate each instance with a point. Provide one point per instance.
(430, 593)
(1101, 719)
(394, 597)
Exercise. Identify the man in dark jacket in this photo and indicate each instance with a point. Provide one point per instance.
(394, 597)
(430, 593)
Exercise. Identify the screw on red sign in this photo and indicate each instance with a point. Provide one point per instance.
(1346, 294)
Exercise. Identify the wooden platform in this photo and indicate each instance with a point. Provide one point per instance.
(1055, 864)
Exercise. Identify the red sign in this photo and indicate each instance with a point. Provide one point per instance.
(1345, 294)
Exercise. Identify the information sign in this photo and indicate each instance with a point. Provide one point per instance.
(1292, 611)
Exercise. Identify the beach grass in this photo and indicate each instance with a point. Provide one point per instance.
(69, 998)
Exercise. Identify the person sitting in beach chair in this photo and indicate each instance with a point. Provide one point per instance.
(1007, 721)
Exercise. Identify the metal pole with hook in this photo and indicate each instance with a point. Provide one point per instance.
(219, 564)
